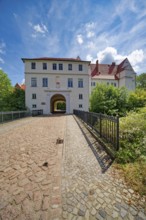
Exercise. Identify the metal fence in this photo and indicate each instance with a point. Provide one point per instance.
(106, 126)
(37, 112)
(13, 115)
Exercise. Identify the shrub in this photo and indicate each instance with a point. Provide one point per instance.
(132, 137)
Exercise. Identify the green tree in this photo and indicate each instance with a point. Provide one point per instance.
(141, 81)
(5, 91)
(109, 100)
(17, 100)
(137, 99)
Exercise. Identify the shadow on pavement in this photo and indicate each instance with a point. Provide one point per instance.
(103, 158)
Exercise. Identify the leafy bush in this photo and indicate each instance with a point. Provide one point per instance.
(132, 137)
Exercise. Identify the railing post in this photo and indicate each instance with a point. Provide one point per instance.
(100, 117)
(117, 147)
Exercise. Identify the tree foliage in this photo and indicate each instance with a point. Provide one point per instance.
(5, 91)
(17, 99)
(11, 99)
(141, 81)
(109, 100)
(112, 101)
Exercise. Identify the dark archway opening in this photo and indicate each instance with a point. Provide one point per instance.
(58, 104)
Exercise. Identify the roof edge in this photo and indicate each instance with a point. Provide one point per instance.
(54, 59)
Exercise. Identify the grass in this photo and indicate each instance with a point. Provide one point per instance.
(135, 175)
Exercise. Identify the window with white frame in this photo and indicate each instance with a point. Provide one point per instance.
(54, 66)
(33, 65)
(80, 106)
(70, 82)
(80, 83)
(80, 67)
(33, 82)
(45, 82)
(69, 66)
(80, 96)
(33, 96)
(93, 84)
(44, 66)
(60, 66)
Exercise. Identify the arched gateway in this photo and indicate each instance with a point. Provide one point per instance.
(58, 104)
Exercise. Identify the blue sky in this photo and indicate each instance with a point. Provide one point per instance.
(107, 30)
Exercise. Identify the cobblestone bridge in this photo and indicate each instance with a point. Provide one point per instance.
(44, 179)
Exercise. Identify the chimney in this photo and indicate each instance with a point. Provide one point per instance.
(97, 66)
(113, 63)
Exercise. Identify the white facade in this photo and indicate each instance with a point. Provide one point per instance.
(61, 84)
(50, 80)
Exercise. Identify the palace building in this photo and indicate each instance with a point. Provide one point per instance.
(68, 82)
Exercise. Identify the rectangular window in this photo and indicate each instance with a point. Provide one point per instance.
(69, 66)
(107, 83)
(80, 106)
(33, 65)
(80, 96)
(60, 66)
(54, 66)
(92, 83)
(80, 67)
(45, 82)
(80, 83)
(44, 66)
(34, 106)
(34, 82)
(33, 96)
(70, 82)
(115, 84)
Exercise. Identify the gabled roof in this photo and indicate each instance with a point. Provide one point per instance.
(106, 70)
(55, 59)
(22, 86)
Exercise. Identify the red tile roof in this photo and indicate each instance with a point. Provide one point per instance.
(22, 86)
(105, 69)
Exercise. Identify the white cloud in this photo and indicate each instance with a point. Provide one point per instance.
(2, 51)
(136, 56)
(1, 60)
(80, 39)
(110, 54)
(90, 34)
(40, 28)
(23, 81)
(90, 26)
(2, 46)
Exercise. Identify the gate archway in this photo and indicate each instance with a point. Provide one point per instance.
(58, 104)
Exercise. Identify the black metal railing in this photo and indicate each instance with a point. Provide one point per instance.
(107, 127)
(13, 115)
(37, 112)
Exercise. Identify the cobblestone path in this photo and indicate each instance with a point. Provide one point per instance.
(29, 190)
(44, 180)
(88, 192)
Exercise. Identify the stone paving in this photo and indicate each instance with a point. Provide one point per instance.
(89, 189)
(43, 179)
(30, 168)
